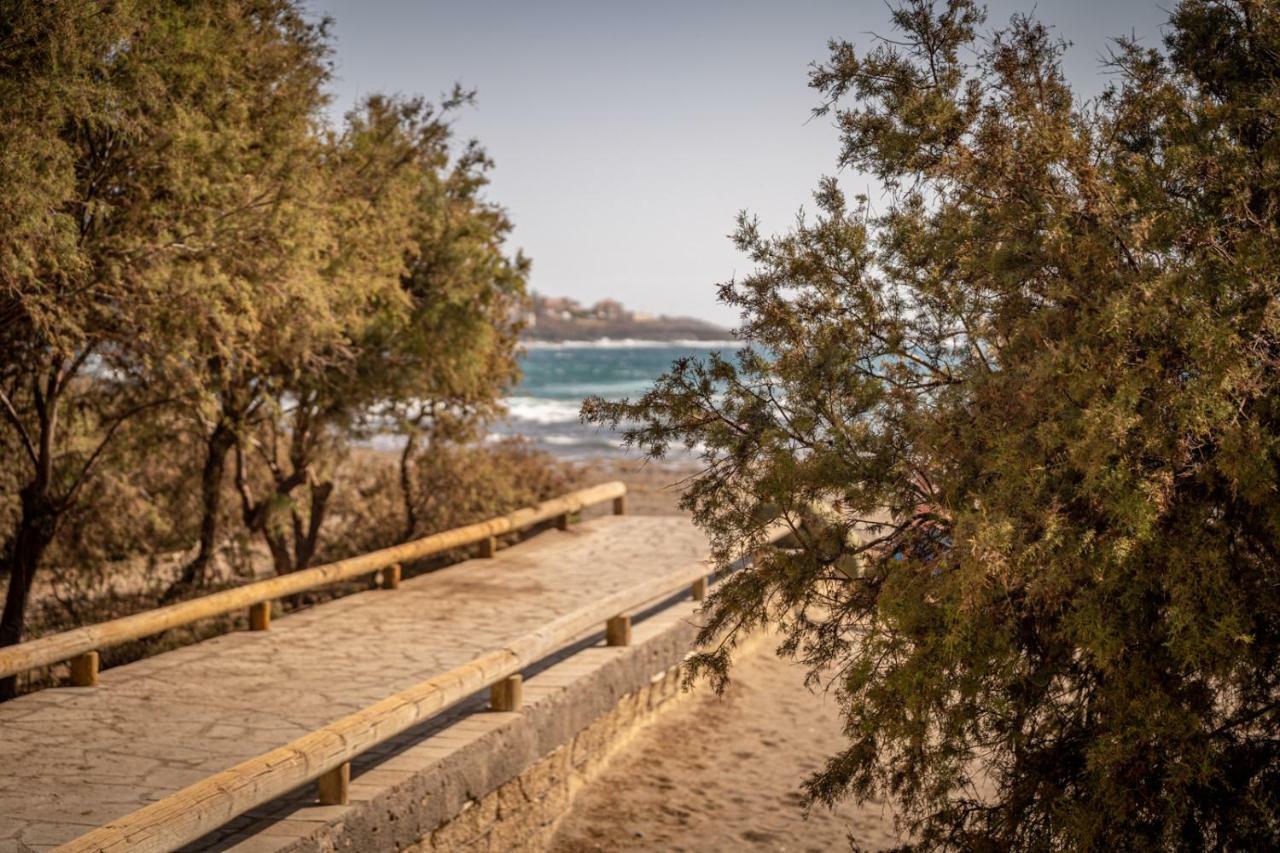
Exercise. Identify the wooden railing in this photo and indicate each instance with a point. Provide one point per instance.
(325, 755)
(80, 646)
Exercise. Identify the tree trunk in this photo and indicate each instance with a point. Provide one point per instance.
(406, 484)
(195, 573)
(35, 532)
(259, 517)
(306, 541)
(278, 544)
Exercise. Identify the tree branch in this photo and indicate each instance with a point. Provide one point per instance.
(92, 461)
(11, 414)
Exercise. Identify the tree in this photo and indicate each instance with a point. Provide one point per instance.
(310, 399)
(126, 153)
(429, 304)
(256, 300)
(452, 355)
(82, 89)
(1025, 427)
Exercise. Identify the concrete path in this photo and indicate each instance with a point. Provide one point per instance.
(74, 758)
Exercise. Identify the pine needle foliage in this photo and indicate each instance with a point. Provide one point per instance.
(1024, 420)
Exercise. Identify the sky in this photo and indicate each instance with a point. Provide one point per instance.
(628, 135)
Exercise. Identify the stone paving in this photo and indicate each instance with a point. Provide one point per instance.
(74, 758)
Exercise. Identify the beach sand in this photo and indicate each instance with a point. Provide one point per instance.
(653, 488)
(720, 773)
(723, 773)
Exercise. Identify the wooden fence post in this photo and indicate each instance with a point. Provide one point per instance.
(562, 521)
(507, 694)
(260, 616)
(699, 589)
(391, 576)
(488, 547)
(617, 631)
(84, 670)
(620, 505)
(54, 649)
(335, 785)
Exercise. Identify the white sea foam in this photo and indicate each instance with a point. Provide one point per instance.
(540, 410)
(632, 343)
(556, 438)
(620, 387)
(559, 440)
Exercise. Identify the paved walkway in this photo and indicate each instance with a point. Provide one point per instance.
(74, 758)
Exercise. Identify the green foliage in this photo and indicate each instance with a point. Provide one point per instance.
(198, 273)
(428, 336)
(100, 211)
(1025, 423)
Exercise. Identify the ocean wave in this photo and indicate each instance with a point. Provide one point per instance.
(540, 410)
(632, 343)
(559, 440)
(579, 446)
(614, 389)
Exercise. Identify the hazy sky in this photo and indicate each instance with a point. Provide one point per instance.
(628, 135)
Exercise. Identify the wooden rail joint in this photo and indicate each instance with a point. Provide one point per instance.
(335, 785)
(617, 631)
(507, 694)
(699, 589)
(84, 670)
(391, 576)
(260, 616)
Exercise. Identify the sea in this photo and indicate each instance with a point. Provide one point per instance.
(556, 377)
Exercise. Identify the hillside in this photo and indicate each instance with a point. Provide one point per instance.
(554, 319)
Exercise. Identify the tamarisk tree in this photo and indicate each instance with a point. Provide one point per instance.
(128, 162)
(254, 300)
(307, 395)
(446, 361)
(428, 297)
(1024, 421)
(199, 271)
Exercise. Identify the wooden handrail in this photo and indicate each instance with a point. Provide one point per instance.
(81, 641)
(194, 811)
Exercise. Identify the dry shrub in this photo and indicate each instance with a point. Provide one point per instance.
(463, 484)
(121, 540)
(120, 548)
(452, 485)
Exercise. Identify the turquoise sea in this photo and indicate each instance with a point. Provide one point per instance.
(544, 406)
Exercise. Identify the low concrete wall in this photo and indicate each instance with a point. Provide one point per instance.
(478, 780)
(522, 814)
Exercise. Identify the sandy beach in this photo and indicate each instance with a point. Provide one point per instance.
(653, 488)
(723, 773)
(720, 773)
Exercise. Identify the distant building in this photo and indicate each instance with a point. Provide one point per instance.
(609, 309)
(557, 318)
(555, 308)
